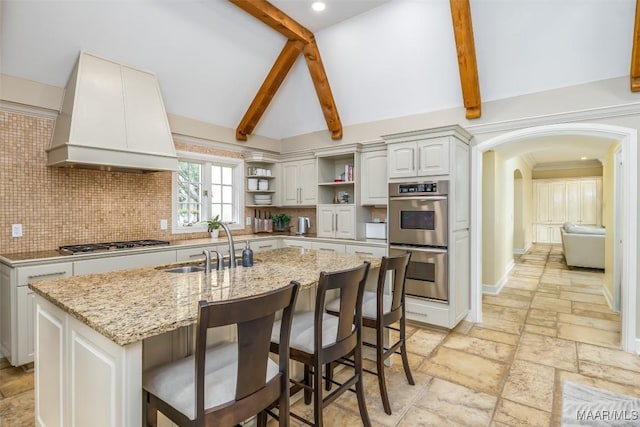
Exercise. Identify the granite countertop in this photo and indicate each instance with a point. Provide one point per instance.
(130, 305)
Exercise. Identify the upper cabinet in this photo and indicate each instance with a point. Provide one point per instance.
(427, 157)
(298, 183)
(374, 188)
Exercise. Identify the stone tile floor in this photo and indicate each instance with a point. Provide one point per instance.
(549, 323)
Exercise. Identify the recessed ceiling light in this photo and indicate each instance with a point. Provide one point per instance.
(318, 6)
(583, 158)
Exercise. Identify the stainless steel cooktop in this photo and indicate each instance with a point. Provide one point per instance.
(108, 246)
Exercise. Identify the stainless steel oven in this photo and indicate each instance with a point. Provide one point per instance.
(427, 275)
(418, 221)
(418, 213)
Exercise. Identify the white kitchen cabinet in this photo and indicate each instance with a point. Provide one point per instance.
(584, 201)
(427, 157)
(123, 262)
(77, 368)
(374, 188)
(337, 221)
(298, 186)
(192, 254)
(557, 201)
(16, 340)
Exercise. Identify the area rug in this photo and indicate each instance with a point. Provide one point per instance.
(583, 405)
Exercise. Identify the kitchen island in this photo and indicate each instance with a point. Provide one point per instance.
(96, 334)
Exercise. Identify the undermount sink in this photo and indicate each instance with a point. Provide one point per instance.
(185, 269)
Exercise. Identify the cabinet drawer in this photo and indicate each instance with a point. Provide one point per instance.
(25, 275)
(264, 245)
(366, 250)
(421, 311)
(123, 262)
(330, 247)
(192, 254)
(296, 243)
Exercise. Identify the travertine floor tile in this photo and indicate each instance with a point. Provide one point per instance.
(469, 370)
(514, 414)
(515, 293)
(457, 403)
(14, 381)
(506, 313)
(542, 318)
(589, 335)
(521, 283)
(592, 322)
(548, 351)
(607, 356)
(423, 418)
(489, 349)
(609, 373)
(530, 384)
(491, 335)
(552, 304)
(541, 330)
(424, 341)
(505, 301)
(501, 325)
(18, 410)
(582, 297)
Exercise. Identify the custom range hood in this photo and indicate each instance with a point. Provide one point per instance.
(112, 118)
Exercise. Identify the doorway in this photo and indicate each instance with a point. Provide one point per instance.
(627, 207)
(519, 242)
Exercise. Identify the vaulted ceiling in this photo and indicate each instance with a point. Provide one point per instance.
(383, 59)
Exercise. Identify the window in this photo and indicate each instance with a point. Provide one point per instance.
(206, 186)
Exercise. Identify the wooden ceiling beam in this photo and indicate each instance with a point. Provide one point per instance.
(275, 18)
(323, 90)
(635, 53)
(299, 39)
(269, 87)
(465, 46)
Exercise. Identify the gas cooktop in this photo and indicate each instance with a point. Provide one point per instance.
(108, 246)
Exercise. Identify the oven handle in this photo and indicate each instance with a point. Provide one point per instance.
(426, 198)
(427, 250)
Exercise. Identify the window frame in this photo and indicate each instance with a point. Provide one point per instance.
(207, 160)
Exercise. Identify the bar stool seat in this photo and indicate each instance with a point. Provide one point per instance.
(302, 330)
(174, 383)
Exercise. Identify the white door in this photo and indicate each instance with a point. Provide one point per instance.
(326, 221)
(346, 222)
(542, 202)
(308, 182)
(574, 204)
(402, 160)
(289, 188)
(557, 204)
(589, 202)
(433, 157)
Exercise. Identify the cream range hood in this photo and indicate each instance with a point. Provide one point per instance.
(112, 118)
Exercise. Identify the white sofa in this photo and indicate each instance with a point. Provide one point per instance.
(583, 246)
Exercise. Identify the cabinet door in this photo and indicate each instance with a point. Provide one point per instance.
(346, 222)
(26, 346)
(326, 221)
(589, 202)
(264, 245)
(296, 243)
(366, 250)
(308, 182)
(433, 157)
(541, 190)
(373, 183)
(289, 189)
(573, 202)
(402, 160)
(123, 262)
(557, 202)
(542, 234)
(5, 310)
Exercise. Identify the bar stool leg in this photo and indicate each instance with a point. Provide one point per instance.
(403, 351)
(308, 381)
(317, 396)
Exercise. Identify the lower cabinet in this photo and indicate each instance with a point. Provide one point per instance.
(547, 233)
(84, 379)
(25, 308)
(328, 246)
(296, 243)
(123, 262)
(337, 221)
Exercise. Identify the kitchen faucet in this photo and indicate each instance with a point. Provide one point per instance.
(232, 249)
(207, 260)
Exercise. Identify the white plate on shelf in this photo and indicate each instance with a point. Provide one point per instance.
(262, 196)
(262, 203)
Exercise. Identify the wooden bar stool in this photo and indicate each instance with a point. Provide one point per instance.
(319, 338)
(380, 311)
(232, 381)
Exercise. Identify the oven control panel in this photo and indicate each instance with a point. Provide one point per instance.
(433, 188)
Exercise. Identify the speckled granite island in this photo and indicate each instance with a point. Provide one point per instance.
(96, 334)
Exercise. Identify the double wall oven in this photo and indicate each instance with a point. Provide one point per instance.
(418, 221)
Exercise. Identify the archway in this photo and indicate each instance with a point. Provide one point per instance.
(628, 141)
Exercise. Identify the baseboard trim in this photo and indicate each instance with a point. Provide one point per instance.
(522, 251)
(496, 288)
(637, 349)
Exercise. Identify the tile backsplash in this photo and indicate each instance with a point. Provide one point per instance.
(62, 206)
